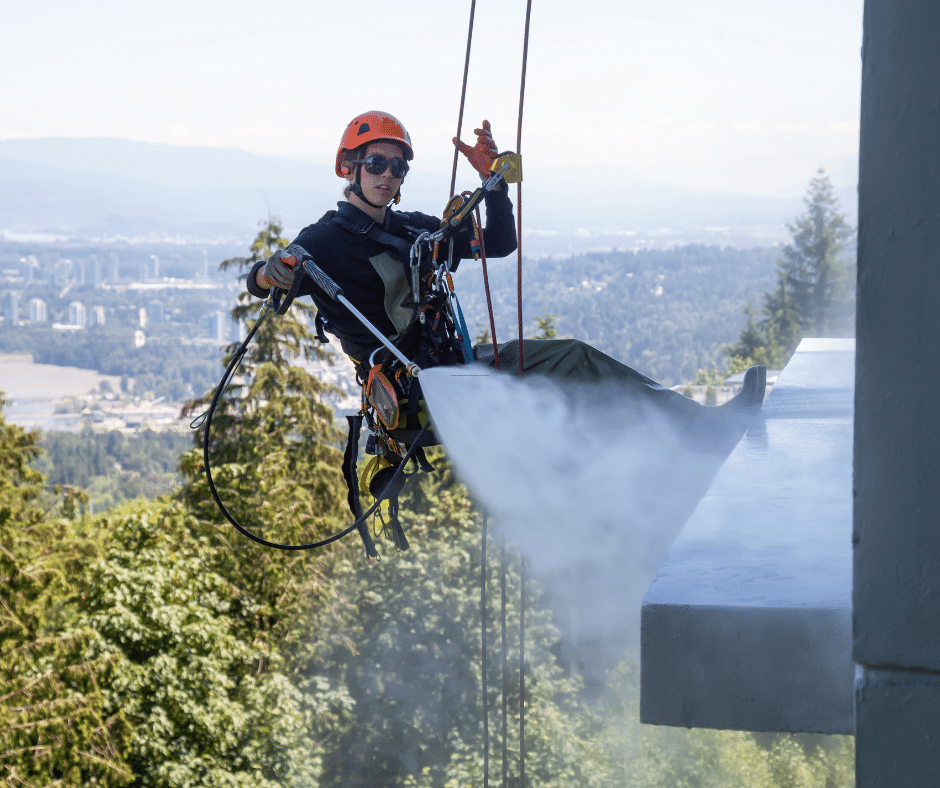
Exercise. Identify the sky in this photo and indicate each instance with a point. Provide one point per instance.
(726, 95)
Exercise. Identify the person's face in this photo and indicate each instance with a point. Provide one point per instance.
(379, 189)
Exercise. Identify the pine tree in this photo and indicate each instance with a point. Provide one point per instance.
(275, 460)
(814, 295)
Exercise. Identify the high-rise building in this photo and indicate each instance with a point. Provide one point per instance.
(62, 271)
(96, 316)
(237, 330)
(38, 313)
(112, 275)
(154, 267)
(142, 317)
(93, 271)
(77, 314)
(11, 306)
(155, 312)
(216, 326)
(28, 266)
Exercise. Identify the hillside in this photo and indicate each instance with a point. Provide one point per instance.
(103, 188)
(664, 312)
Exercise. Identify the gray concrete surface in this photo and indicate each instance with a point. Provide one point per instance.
(896, 603)
(747, 624)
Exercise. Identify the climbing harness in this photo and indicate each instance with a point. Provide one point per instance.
(391, 400)
(206, 419)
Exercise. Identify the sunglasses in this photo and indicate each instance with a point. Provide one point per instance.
(376, 164)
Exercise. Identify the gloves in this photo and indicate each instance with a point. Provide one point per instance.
(278, 272)
(481, 155)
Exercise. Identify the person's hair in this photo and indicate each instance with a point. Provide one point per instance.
(351, 155)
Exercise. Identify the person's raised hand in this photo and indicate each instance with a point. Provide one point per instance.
(481, 155)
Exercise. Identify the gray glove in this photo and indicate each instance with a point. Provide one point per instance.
(278, 271)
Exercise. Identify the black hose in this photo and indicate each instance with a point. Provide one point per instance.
(223, 384)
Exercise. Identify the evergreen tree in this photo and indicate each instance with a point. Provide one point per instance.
(55, 727)
(275, 461)
(206, 706)
(814, 294)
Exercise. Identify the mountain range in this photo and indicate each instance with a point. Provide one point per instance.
(105, 187)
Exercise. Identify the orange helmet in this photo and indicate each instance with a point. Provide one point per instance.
(370, 127)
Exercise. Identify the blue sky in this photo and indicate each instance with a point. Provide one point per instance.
(726, 95)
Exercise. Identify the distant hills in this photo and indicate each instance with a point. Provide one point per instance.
(103, 187)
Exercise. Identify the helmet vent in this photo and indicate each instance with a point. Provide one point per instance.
(363, 129)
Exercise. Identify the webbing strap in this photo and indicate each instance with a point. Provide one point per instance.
(350, 458)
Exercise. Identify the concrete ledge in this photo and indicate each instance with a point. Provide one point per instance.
(747, 624)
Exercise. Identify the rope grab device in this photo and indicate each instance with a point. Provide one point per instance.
(391, 399)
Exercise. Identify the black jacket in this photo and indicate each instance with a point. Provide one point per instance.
(375, 276)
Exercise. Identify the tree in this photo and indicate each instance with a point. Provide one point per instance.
(814, 294)
(275, 459)
(413, 669)
(206, 706)
(546, 325)
(54, 722)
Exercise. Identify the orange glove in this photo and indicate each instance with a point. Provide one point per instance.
(481, 155)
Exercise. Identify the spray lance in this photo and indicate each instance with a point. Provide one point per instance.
(282, 300)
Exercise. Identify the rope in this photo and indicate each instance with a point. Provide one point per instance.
(463, 96)
(486, 286)
(489, 304)
(525, 57)
(522, 579)
(504, 655)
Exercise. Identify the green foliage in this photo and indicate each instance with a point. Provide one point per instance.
(275, 460)
(646, 756)
(113, 467)
(273, 446)
(53, 722)
(158, 647)
(165, 366)
(814, 292)
(547, 326)
(206, 707)
(415, 673)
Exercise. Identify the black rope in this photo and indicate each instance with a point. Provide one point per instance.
(223, 384)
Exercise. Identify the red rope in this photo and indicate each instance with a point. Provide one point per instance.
(525, 57)
(475, 218)
(463, 97)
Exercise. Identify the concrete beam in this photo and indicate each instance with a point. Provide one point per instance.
(747, 625)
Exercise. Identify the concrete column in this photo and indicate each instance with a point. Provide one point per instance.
(896, 595)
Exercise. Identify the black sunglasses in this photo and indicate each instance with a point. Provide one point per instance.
(376, 164)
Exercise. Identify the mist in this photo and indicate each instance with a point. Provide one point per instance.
(590, 482)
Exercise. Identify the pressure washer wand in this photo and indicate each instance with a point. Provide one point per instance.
(335, 292)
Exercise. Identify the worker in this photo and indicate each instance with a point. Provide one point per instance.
(364, 245)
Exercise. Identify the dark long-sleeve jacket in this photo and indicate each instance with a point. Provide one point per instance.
(375, 276)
